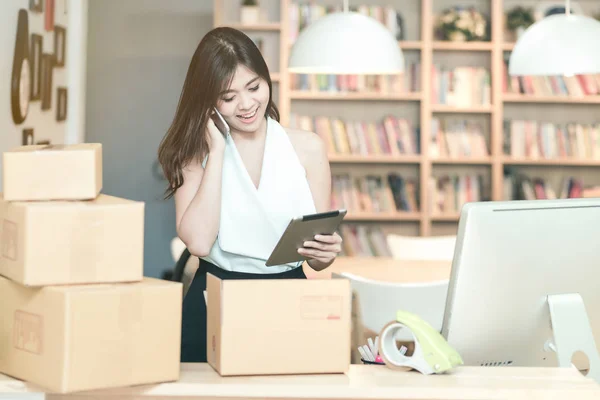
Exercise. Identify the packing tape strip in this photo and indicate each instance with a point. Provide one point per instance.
(388, 349)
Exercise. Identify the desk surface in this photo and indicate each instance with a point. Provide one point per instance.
(361, 382)
(386, 269)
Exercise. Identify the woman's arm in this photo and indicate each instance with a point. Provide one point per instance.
(312, 152)
(198, 204)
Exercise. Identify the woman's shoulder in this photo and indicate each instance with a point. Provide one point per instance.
(308, 145)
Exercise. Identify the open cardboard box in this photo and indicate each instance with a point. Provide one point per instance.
(282, 326)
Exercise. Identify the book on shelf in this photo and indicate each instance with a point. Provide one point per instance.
(546, 140)
(461, 86)
(448, 193)
(520, 186)
(389, 136)
(556, 85)
(386, 194)
(363, 241)
(406, 82)
(457, 138)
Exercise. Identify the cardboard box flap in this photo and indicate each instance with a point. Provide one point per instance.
(102, 200)
(288, 300)
(278, 326)
(112, 288)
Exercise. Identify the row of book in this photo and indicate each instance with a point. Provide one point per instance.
(448, 193)
(394, 193)
(457, 138)
(406, 82)
(374, 193)
(363, 241)
(546, 140)
(560, 85)
(519, 186)
(461, 86)
(391, 135)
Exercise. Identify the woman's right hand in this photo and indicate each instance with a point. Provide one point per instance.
(216, 141)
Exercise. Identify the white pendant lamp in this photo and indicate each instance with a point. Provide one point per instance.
(560, 44)
(346, 43)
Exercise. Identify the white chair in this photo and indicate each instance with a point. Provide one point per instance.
(421, 247)
(379, 301)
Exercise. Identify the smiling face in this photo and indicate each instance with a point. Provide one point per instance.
(244, 104)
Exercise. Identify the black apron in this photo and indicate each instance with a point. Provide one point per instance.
(193, 323)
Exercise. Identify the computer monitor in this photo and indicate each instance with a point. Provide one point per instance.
(515, 261)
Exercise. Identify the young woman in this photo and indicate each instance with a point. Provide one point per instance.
(235, 195)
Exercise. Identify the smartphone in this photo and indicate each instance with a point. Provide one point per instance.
(220, 123)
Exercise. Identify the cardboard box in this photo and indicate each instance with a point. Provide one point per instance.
(83, 337)
(278, 326)
(52, 172)
(70, 242)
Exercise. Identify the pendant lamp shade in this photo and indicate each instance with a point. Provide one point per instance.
(560, 44)
(346, 43)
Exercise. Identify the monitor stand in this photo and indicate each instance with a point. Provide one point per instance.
(572, 332)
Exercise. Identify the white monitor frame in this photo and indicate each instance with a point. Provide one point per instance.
(521, 273)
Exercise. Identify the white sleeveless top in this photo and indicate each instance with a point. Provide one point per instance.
(253, 220)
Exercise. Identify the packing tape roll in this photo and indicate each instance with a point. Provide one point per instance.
(388, 350)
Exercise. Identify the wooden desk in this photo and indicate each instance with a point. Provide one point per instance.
(200, 381)
(386, 269)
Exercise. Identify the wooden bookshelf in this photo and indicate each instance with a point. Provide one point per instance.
(461, 160)
(373, 217)
(410, 44)
(443, 108)
(375, 159)
(575, 162)
(462, 46)
(420, 44)
(356, 96)
(521, 98)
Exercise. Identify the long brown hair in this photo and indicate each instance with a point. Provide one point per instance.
(211, 71)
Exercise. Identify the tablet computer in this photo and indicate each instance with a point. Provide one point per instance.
(300, 230)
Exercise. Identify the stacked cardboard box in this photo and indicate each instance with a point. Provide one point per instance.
(77, 313)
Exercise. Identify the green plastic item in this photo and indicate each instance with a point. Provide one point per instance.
(432, 354)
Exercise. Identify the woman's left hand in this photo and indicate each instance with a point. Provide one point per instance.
(324, 248)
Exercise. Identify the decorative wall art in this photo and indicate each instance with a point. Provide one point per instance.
(32, 75)
(46, 82)
(61, 103)
(36, 5)
(60, 37)
(21, 73)
(27, 137)
(49, 16)
(37, 42)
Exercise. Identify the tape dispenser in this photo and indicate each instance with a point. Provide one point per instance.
(432, 354)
